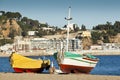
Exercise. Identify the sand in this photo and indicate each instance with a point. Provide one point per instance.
(36, 76)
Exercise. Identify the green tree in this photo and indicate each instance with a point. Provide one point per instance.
(11, 15)
(95, 36)
(41, 33)
(24, 20)
(76, 28)
(117, 26)
(106, 39)
(111, 32)
(3, 12)
(5, 41)
(18, 15)
(24, 33)
(44, 25)
(83, 28)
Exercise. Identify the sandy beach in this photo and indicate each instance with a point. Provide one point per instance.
(35, 76)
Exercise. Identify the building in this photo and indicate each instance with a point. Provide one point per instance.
(96, 47)
(48, 29)
(36, 44)
(111, 46)
(22, 44)
(32, 33)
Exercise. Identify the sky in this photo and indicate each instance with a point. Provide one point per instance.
(84, 12)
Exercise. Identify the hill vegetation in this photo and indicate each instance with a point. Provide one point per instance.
(105, 32)
(13, 24)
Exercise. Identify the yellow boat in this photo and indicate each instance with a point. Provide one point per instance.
(24, 64)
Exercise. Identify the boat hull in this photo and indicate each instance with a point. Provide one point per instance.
(21, 70)
(75, 69)
(75, 63)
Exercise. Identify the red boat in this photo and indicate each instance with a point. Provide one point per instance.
(24, 64)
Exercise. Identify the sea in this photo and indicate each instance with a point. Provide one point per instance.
(107, 65)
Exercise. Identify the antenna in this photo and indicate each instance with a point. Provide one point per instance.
(68, 23)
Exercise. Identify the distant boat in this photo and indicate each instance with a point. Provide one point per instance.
(24, 64)
(73, 62)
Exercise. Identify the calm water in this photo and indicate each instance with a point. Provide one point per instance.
(108, 65)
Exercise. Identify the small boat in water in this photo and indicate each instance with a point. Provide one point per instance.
(24, 64)
(75, 63)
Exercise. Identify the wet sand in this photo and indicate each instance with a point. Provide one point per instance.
(35, 76)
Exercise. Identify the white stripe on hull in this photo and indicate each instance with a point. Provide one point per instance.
(79, 62)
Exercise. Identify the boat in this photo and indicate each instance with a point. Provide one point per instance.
(22, 63)
(71, 62)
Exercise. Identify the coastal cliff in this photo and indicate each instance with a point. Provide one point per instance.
(9, 27)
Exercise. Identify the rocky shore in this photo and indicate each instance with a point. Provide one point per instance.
(35, 76)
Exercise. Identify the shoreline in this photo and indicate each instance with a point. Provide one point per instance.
(26, 54)
(40, 76)
(8, 55)
(43, 53)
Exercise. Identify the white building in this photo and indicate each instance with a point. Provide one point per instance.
(48, 28)
(32, 33)
(96, 47)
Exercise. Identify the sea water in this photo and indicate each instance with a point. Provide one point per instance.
(107, 65)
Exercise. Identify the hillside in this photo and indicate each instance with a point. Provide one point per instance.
(13, 24)
(10, 28)
(115, 39)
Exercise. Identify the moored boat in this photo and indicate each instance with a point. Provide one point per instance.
(24, 64)
(73, 62)
(76, 63)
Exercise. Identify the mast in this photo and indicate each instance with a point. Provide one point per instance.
(68, 24)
